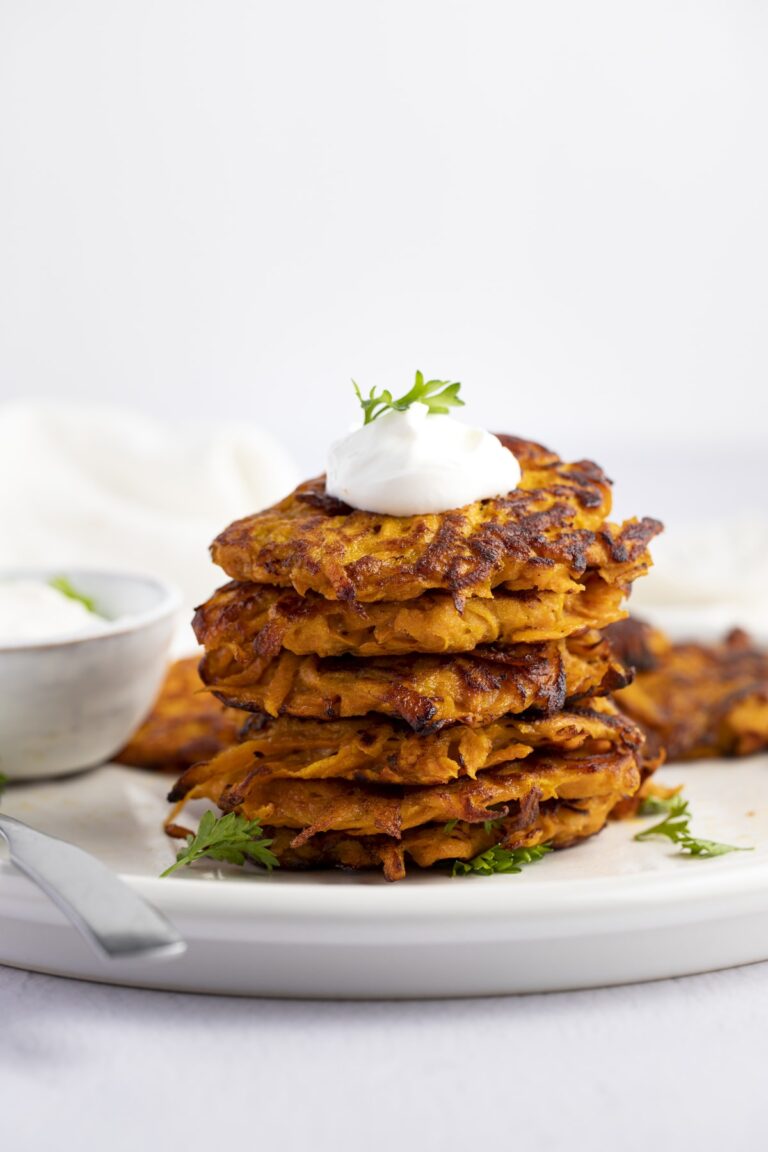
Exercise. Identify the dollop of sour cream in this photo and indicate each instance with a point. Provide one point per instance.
(32, 610)
(416, 462)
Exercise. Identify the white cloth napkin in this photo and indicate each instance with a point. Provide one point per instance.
(101, 487)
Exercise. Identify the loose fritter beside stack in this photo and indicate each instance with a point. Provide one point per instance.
(187, 724)
(423, 688)
(695, 700)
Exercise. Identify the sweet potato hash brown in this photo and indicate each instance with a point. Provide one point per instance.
(186, 724)
(695, 700)
(543, 535)
(376, 750)
(558, 823)
(427, 692)
(256, 621)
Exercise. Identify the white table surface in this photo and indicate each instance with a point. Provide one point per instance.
(677, 1064)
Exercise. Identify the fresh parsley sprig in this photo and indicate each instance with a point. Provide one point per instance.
(438, 395)
(676, 827)
(655, 805)
(501, 860)
(231, 838)
(61, 584)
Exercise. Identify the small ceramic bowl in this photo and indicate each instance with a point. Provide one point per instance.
(72, 703)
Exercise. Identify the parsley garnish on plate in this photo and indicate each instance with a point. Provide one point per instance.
(61, 584)
(231, 838)
(502, 860)
(676, 827)
(438, 395)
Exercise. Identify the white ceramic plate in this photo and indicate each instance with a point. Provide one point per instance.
(609, 911)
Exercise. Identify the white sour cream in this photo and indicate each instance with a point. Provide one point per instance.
(416, 462)
(32, 610)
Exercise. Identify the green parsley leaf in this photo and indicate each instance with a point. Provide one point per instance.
(654, 806)
(676, 828)
(438, 395)
(3, 782)
(502, 860)
(61, 584)
(675, 809)
(231, 838)
(449, 827)
(695, 846)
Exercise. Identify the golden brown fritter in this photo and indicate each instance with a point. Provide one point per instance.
(544, 535)
(514, 803)
(255, 621)
(427, 692)
(695, 700)
(186, 724)
(376, 750)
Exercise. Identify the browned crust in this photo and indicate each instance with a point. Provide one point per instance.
(638, 645)
(544, 534)
(427, 692)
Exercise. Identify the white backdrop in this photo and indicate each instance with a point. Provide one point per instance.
(230, 207)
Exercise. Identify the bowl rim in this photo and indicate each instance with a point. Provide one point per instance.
(168, 605)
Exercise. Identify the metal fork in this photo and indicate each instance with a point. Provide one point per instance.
(113, 918)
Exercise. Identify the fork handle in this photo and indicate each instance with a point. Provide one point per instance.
(113, 918)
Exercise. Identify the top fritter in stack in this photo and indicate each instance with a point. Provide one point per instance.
(424, 687)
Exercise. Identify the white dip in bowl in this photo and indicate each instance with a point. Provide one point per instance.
(69, 699)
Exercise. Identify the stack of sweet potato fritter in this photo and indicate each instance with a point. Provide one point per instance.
(426, 687)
